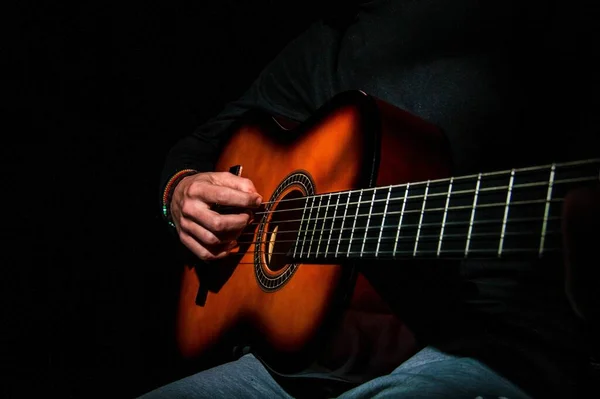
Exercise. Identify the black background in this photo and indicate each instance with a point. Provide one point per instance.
(98, 94)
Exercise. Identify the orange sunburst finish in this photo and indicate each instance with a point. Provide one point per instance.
(354, 141)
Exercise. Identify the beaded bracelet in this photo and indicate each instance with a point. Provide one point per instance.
(168, 193)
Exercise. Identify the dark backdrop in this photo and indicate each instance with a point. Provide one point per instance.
(99, 92)
(95, 96)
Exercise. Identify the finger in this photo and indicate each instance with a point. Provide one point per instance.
(250, 216)
(205, 237)
(215, 194)
(230, 180)
(218, 224)
(205, 253)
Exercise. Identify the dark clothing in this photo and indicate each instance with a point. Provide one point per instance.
(499, 78)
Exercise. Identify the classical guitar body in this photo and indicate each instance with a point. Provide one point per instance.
(259, 294)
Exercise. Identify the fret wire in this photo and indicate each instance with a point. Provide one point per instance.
(485, 189)
(323, 226)
(483, 252)
(453, 208)
(368, 221)
(496, 173)
(489, 251)
(337, 202)
(475, 223)
(315, 224)
(401, 217)
(547, 210)
(472, 214)
(434, 237)
(307, 217)
(444, 217)
(421, 219)
(504, 220)
(300, 229)
(354, 222)
(307, 224)
(342, 227)
(387, 201)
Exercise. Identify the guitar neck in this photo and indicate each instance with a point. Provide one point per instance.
(498, 214)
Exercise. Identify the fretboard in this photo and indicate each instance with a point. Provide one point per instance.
(498, 214)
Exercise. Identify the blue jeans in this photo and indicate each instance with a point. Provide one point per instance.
(428, 374)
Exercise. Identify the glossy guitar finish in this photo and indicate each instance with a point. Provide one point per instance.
(355, 141)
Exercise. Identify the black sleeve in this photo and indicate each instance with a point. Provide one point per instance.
(293, 85)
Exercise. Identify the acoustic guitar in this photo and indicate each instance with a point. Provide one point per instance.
(359, 182)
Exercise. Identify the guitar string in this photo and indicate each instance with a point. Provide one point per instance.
(426, 225)
(485, 251)
(455, 194)
(394, 227)
(524, 185)
(413, 226)
(345, 254)
(434, 225)
(411, 253)
(413, 211)
(426, 237)
(459, 178)
(371, 255)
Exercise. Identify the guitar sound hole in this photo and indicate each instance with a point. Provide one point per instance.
(282, 230)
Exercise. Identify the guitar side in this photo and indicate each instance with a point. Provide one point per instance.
(355, 141)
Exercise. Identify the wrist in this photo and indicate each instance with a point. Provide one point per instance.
(170, 189)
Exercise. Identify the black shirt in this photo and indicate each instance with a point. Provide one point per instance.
(510, 84)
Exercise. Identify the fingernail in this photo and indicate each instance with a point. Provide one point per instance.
(233, 244)
(258, 201)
